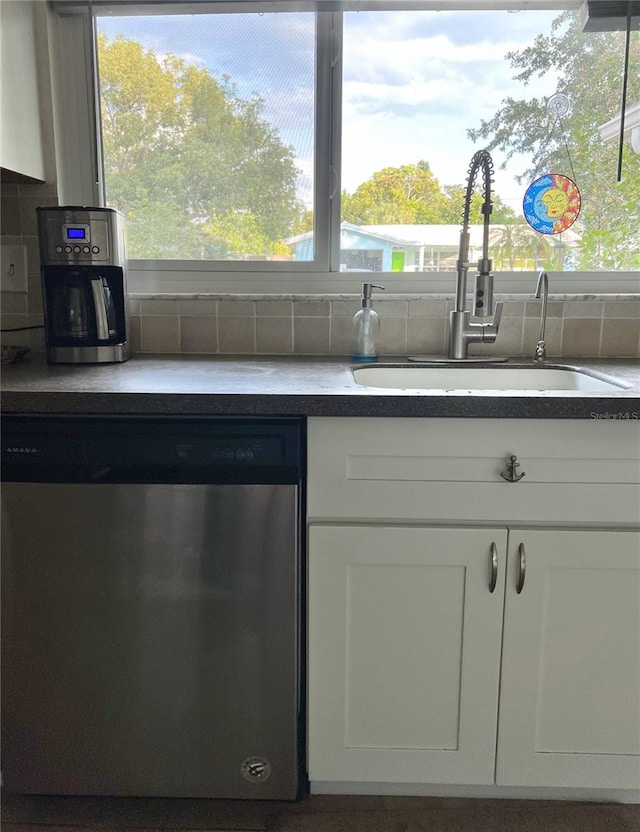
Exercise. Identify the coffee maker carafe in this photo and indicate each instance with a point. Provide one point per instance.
(84, 284)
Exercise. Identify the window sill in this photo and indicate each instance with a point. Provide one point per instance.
(188, 278)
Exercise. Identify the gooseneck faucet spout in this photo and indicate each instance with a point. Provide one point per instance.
(462, 331)
(542, 291)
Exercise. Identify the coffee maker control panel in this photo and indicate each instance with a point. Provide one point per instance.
(87, 237)
(78, 243)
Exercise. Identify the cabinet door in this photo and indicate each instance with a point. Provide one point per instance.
(570, 689)
(404, 653)
(21, 148)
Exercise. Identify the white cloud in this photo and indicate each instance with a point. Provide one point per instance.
(408, 98)
(191, 59)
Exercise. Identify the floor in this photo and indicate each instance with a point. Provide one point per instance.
(313, 814)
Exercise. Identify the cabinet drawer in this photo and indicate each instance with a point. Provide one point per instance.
(444, 469)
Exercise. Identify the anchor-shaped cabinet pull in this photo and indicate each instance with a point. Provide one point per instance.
(510, 475)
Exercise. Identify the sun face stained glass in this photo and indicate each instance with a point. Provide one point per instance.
(551, 203)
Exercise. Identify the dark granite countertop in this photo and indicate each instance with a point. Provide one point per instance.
(290, 386)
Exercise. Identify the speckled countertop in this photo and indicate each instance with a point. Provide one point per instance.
(289, 386)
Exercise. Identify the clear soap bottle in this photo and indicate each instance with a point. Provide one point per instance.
(365, 331)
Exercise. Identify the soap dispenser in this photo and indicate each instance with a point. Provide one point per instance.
(365, 332)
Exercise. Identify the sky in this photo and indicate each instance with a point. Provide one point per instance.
(413, 82)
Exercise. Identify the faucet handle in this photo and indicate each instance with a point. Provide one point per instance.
(490, 331)
(541, 351)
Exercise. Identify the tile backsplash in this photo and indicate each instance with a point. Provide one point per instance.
(18, 227)
(577, 325)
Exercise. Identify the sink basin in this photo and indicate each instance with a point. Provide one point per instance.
(416, 377)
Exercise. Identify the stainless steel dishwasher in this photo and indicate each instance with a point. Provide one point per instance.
(152, 624)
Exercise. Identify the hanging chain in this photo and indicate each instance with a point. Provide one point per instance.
(558, 105)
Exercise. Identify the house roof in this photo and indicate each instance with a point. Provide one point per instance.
(611, 130)
(426, 235)
(444, 236)
(438, 236)
(387, 234)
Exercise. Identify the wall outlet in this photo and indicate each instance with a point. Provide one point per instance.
(13, 269)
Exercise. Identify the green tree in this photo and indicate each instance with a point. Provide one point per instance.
(412, 195)
(185, 148)
(409, 194)
(455, 194)
(515, 245)
(589, 71)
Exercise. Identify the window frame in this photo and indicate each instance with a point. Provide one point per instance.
(75, 94)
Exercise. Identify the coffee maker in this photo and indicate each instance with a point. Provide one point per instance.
(84, 284)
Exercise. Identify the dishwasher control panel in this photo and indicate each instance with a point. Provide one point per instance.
(147, 449)
(233, 451)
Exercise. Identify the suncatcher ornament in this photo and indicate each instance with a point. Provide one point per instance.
(552, 202)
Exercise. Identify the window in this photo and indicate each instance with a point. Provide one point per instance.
(423, 90)
(208, 132)
(285, 151)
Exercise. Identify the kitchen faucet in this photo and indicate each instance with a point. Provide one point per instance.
(462, 331)
(542, 290)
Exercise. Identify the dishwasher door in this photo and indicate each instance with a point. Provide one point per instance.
(150, 639)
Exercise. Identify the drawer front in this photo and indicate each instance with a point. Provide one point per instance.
(444, 469)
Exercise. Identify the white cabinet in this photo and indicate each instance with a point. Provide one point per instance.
(418, 673)
(438, 470)
(570, 683)
(21, 134)
(404, 645)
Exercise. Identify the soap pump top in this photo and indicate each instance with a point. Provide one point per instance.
(367, 291)
(366, 327)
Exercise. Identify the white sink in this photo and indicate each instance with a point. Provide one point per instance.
(416, 377)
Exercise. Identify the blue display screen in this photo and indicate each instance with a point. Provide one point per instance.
(76, 233)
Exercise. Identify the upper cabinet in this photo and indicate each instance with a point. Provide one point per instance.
(21, 140)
